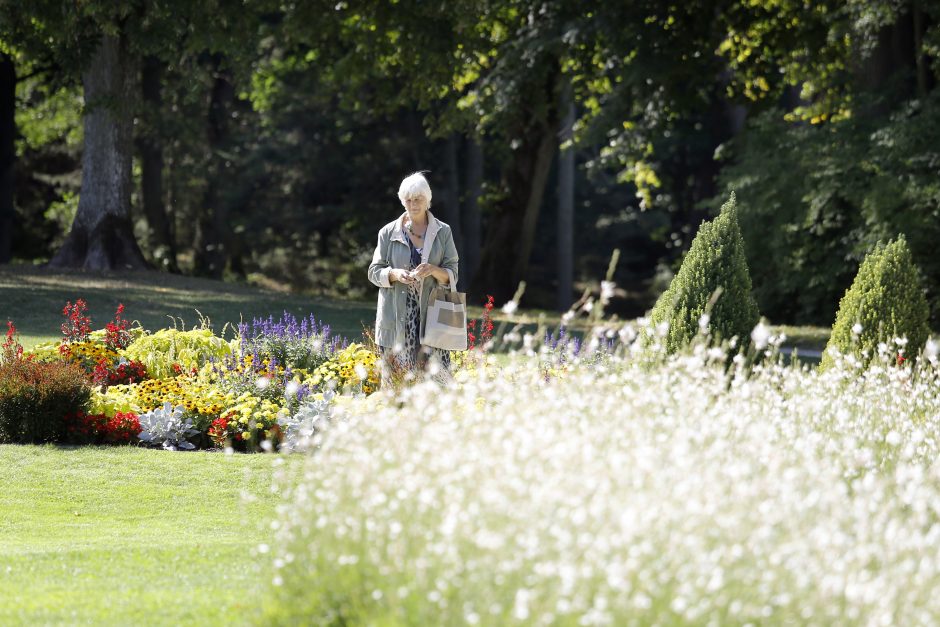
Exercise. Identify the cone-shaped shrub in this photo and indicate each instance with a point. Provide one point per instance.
(886, 301)
(715, 260)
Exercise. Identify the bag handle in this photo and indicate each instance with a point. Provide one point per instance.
(453, 283)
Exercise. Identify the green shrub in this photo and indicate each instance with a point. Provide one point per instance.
(160, 351)
(715, 260)
(886, 301)
(815, 195)
(35, 398)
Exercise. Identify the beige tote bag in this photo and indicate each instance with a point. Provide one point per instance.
(446, 324)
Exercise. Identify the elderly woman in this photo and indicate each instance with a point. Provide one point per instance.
(415, 253)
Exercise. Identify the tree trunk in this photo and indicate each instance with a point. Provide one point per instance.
(212, 229)
(473, 188)
(920, 59)
(511, 229)
(102, 237)
(451, 213)
(566, 202)
(7, 153)
(150, 148)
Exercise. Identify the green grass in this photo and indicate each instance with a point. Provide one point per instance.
(125, 535)
(33, 298)
(804, 336)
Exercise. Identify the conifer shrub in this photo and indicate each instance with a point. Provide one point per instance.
(886, 301)
(35, 398)
(714, 263)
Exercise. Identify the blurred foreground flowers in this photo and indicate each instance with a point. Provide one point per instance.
(623, 490)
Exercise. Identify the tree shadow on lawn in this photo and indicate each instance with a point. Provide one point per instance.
(33, 297)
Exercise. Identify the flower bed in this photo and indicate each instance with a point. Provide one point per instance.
(175, 388)
(592, 486)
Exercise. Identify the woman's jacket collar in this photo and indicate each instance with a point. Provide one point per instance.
(434, 225)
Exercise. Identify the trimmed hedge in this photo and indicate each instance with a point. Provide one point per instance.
(887, 300)
(715, 260)
(35, 398)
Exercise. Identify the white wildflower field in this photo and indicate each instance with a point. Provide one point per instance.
(614, 490)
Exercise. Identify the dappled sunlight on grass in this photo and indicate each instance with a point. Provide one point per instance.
(33, 297)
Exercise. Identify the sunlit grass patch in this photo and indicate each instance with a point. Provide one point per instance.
(122, 535)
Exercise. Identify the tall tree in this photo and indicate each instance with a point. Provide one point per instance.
(511, 226)
(470, 213)
(566, 171)
(452, 193)
(150, 147)
(90, 40)
(7, 151)
(102, 43)
(212, 234)
(102, 237)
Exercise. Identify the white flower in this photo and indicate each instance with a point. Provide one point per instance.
(510, 307)
(703, 322)
(760, 336)
(930, 349)
(520, 608)
(856, 328)
(567, 317)
(361, 372)
(528, 341)
(262, 383)
(607, 291)
(627, 334)
(291, 388)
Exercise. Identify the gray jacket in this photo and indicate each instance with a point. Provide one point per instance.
(393, 251)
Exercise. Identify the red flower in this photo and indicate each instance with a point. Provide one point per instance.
(117, 336)
(901, 359)
(486, 327)
(99, 429)
(12, 349)
(77, 325)
(100, 375)
(218, 430)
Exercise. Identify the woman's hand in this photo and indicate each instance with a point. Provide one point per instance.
(427, 269)
(402, 276)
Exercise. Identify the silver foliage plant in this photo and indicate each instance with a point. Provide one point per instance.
(165, 426)
(301, 428)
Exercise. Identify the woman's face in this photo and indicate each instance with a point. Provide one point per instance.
(416, 206)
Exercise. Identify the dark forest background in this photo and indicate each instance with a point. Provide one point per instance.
(264, 141)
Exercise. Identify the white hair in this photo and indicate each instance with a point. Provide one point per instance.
(414, 185)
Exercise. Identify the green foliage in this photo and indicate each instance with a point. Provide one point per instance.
(714, 262)
(816, 198)
(35, 398)
(765, 43)
(162, 350)
(887, 301)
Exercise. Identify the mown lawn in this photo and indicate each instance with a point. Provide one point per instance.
(33, 298)
(131, 536)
